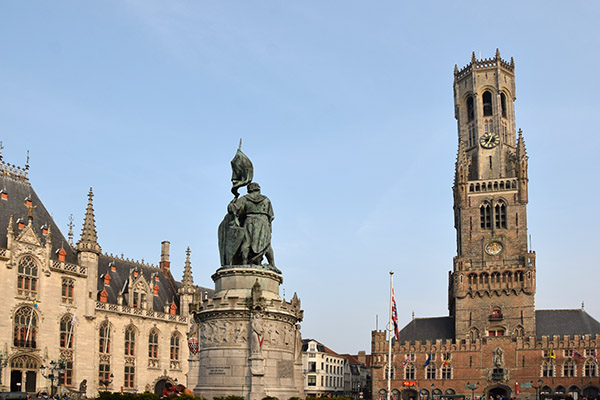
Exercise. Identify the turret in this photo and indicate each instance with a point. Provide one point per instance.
(186, 291)
(88, 250)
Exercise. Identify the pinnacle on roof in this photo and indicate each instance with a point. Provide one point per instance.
(188, 280)
(521, 151)
(89, 238)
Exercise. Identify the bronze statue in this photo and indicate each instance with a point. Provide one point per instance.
(245, 233)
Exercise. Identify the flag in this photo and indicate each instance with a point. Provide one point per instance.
(446, 361)
(428, 360)
(35, 303)
(595, 356)
(395, 317)
(74, 319)
(576, 354)
(405, 362)
(551, 354)
(242, 171)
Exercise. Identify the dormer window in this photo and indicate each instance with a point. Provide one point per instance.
(103, 296)
(107, 279)
(155, 289)
(487, 104)
(61, 254)
(44, 229)
(173, 309)
(112, 266)
(21, 223)
(3, 195)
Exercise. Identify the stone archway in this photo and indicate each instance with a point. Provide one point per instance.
(159, 384)
(23, 376)
(498, 391)
(410, 394)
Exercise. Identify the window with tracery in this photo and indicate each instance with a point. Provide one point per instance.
(485, 213)
(27, 278)
(153, 344)
(500, 214)
(447, 372)
(590, 369)
(129, 377)
(130, 341)
(470, 109)
(66, 378)
(409, 372)
(25, 327)
(174, 351)
(67, 291)
(569, 368)
(104, 338)
(66, 332)
(430, 372)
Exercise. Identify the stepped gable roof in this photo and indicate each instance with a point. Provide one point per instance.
(428, 329)
(565, 322)
(119, 282)
(17, 189)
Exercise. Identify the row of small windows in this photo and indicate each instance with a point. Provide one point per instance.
(569, 369)
(430, 372)
(487, 103)
(327, 381)
(130, 342)
(501, 185)
(496, 277)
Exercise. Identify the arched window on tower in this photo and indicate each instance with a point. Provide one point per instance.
(470, 109)
(503, 104)
(500, 214)
(485, 212)
(487, 103)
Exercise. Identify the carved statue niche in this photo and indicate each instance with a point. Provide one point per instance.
(498, 357)
(257, 334)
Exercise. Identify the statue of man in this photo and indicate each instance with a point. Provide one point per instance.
(258, 335)
(255, 213)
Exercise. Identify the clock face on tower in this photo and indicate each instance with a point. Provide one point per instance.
(489, 140)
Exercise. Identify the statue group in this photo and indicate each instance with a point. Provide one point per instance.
(245, 233)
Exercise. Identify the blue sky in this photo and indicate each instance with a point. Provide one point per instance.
(345, 109)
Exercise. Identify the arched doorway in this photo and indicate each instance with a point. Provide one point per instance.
(23, 375)
(410, 394)
(591, 392)
(499, 392)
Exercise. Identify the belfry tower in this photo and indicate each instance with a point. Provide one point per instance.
(492, 285)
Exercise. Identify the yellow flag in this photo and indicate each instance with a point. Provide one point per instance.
(551, 354)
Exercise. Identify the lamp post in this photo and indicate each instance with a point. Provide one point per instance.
(106, 382)
(472, 386)
(537, 388)
(56, 370)
(3, 363)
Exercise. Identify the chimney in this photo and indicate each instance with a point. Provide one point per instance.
(165, 264)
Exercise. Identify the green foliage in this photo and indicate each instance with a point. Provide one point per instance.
(270, 398)
(294, 398)
(148, 396)
(229, 398)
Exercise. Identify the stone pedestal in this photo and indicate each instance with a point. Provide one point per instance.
(249, 338)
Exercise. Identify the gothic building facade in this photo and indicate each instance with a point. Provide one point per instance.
(493, 342)
(76, 318)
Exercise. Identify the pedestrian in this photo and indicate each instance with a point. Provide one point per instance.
(184, 391)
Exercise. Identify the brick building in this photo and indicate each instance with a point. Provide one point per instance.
(493, 342)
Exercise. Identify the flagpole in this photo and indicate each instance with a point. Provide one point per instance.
(390, 328)
(29, 326)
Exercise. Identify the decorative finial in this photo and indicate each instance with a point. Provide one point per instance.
(413, 315)
(455, 69)
(71, 230)
(497, 53)
(582, 306)
(1, 148)
(27, 163)
(473, 58)
(512, 62)
(88, 240)
(188, 279)
(240, 146)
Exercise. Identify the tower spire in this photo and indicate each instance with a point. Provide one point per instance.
(89, 238)
(188, 280)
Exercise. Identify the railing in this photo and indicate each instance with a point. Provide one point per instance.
(140, 312)
(25, 343)
(73, 269)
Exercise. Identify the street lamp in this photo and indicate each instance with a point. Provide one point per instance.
(3, 363)
(56, 370)
(105, 383)
(472, 386)
(537, 388)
